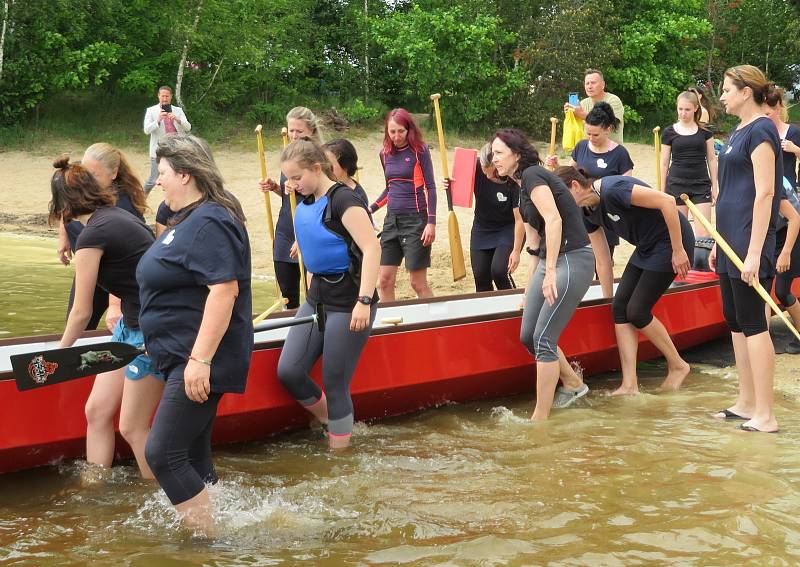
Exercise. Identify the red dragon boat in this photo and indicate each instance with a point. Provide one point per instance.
(422, 353)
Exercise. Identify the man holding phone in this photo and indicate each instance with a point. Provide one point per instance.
(595, 86)
(160, 120)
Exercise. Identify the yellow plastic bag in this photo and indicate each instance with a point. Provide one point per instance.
(573, 131)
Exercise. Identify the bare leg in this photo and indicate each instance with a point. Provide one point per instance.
(419, 282)
(101, 407)
(762, 366)
(699, 230)
(567, 374)
(677, 368)
(628, 344)
(197, 513)
(746, 401)
(338, 442)
(320, 409)
(387, 279)
(139, 401)
(546, 381)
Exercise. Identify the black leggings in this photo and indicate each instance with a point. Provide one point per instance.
(288, 275)
(742, 306)
(178, 447)
(491, 266)
(783, 290)
(340, 349)
(637, 293)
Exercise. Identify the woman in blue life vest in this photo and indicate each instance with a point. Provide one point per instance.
(341, 251)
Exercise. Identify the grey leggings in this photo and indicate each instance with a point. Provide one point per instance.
(542, 323)
(340, 349)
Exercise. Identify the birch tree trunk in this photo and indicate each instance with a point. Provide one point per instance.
(6, 11)
(182, 64)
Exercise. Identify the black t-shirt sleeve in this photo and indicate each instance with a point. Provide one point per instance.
(590, 226)
(707, 134)
(668, 136)
(343, 199)
(764, 131)
(94, 236)
(216, 254)
(625, 161)
(163, 214)
(514, 196)
(619, 194)
(533, 177)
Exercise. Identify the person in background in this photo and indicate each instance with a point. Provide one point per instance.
(300, 123)
(409, 228)
(750, 171)
(344, 160)
(108, 248)
(196, 316)
(706, 110)
(688, 160)
(160, 120)
(595, 87)
(339, 245)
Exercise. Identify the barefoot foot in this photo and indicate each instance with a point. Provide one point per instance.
(625, 391)
(675, 377)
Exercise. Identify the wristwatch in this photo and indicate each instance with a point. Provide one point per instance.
(365, 299)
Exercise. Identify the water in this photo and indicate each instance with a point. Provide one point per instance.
(36, 287)
(650, 480)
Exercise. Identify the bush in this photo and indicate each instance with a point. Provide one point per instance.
(357, 112)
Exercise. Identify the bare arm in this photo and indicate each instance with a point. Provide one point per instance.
(763, 158)
(519, 240)
(711, 159)
(356, 221)
(544, 201)
(666, 155)
(647, 198)
(793, 218)
(87, 264)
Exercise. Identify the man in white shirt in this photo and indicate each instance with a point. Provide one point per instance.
(160, 120)
(595, 86)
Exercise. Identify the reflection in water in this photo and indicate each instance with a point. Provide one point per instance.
(614, 481)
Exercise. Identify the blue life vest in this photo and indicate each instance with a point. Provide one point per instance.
(324, 251)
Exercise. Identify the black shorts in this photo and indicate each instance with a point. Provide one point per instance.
(698, 190)
(402, 238)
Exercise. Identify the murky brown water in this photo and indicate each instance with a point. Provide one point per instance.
(651, 480)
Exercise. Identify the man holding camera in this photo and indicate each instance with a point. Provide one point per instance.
(595, 86)
(160, 120)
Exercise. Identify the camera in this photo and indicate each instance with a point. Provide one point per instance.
(166, 107)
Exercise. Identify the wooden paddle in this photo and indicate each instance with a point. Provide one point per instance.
(279, 300)
(293, 205)
(729, 252)
(553, 122)
(453, 232)
(47, 367)
(657, 144)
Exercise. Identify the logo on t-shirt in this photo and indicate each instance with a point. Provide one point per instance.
(614, 218)
(169, 238)
(502, 198)
(729, 149)
(601, 163)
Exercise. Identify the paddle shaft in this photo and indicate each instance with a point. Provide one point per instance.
(553, 122)
(731, 254)
(293, 206)
(453, 231)
(262, 160)
(657, 144)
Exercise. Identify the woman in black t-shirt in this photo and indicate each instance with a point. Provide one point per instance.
(688, 162)
(107, 251)
(344, 160)
(561, 267)
(750, 171)
(111, 170)
(197, 320)
(664, 243)
(341, 250)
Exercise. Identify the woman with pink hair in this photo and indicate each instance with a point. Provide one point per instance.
(410, 195)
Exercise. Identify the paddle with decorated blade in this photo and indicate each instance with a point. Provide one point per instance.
(47, 367)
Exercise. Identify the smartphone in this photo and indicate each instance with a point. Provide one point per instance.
(573, 99)
(166, 107)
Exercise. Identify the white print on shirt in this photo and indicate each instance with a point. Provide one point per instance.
(614, 218)
(729, 149)
(169, 238)
(502, 198)
(601, 163)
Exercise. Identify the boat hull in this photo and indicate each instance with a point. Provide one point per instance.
(403, 369)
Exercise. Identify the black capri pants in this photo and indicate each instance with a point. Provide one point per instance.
(742, 306)
(637, 293)
(178, 447)
(491, 266)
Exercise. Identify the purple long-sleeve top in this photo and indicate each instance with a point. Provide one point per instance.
(410, 184)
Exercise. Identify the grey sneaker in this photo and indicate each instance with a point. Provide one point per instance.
(565, 398)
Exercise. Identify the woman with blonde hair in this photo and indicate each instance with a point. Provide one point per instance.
(750, 172)
(300, 122)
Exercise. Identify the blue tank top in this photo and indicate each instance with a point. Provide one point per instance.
(324, 251)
